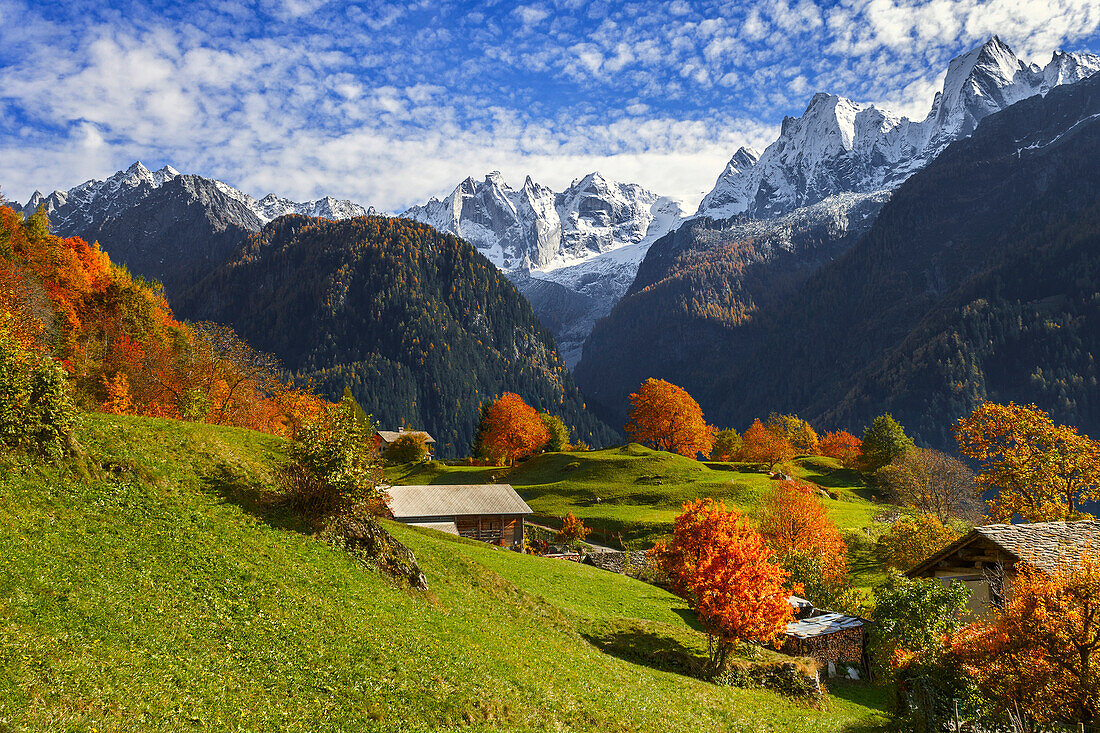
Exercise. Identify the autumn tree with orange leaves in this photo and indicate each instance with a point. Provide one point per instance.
(572, 530)
(724, 569)
(760, 445)
(806, 542)
(1040, 471)
(842, 446)
(122, 347)
(665, 417)
(510, 429)
(1040, 654)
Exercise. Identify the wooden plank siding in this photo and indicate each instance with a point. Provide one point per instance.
(496, 529)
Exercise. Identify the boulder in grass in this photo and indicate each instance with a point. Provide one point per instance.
(364, 537)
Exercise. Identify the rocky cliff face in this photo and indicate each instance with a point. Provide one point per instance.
(838, 145)
(573, 253)
(536, 229)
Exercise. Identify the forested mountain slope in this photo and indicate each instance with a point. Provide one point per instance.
(419, 324)
(699, 290)
(980, 279)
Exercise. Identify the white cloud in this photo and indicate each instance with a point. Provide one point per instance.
(392, 104)
(530, 15)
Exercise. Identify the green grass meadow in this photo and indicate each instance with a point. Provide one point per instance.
(633, 494)
(152, 588)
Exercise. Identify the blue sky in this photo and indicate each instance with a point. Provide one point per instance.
(390, 103)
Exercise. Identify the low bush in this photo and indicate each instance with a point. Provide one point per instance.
(37, 412)
(333, 467)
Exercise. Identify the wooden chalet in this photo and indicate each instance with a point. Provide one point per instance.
(383, 439)
(491, 513)
(985, 559)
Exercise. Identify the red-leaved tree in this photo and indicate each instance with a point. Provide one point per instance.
(842, 446)
(722, 566)
(510, 429)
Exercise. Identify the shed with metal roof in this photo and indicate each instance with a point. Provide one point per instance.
(488, 512)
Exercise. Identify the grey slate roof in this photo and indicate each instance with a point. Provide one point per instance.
(454, 501)
(1042, 544)
(391, 435)
(826, 623)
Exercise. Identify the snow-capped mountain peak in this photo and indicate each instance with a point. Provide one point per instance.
(838, 145)
(534, 228)
(93, 202)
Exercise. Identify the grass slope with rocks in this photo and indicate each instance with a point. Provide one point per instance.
(151, 588)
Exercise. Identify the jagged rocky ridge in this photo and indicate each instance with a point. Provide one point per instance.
(170, 226)
(535, 228)
(838, 145)
(93, 202)
(572, 253)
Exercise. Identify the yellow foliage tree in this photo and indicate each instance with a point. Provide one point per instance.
(1040, 471)
(118, 400)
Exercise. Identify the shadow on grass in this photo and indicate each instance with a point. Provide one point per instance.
(839, 478)
(868, 694)
(689, 618)
(255, 498)
(641, 646)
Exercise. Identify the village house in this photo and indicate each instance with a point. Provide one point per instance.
(986, 558)
(383, 439)
(491, 513)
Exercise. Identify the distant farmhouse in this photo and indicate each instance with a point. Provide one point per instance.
(986, 559)
(488, 512)
(383, 439)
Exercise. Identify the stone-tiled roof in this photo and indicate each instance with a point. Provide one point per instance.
(826, 623)
(388, 436)
(454, 501)
(1042, 544)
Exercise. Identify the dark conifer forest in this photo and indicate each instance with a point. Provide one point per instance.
(420, 325)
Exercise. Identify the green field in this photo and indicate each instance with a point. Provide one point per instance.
(158, 590)
(632, 494)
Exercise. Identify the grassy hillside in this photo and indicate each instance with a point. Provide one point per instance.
(157, 595)
(640, 492)
(637, 492)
